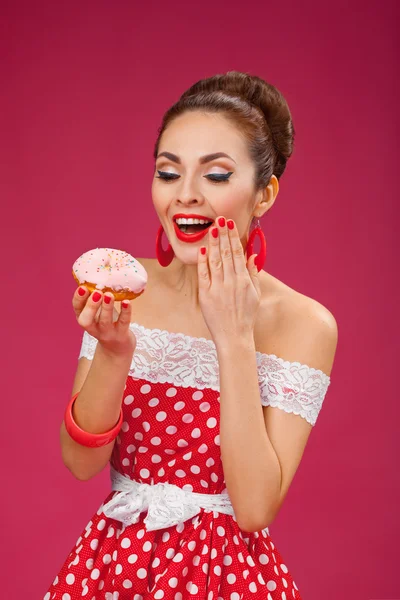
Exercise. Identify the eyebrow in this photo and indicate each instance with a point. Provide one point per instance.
(203, 159)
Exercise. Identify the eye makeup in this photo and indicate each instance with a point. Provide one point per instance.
(214, 177)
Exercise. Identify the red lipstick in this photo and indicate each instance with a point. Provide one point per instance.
(190, 237)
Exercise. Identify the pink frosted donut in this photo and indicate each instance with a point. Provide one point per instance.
(112, 271)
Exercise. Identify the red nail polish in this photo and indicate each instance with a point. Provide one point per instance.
(125, 303)
(214, 232)
(221, 222)
(107, 299)
(203, 249)
(230, 224)
(96, 297)
(81, 291)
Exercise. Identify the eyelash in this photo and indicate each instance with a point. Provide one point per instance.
(214, 178)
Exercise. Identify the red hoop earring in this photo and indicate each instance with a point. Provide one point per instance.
(164, 257)
(262, 254)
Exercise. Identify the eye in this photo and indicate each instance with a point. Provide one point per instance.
(167, 176)
(218, 177)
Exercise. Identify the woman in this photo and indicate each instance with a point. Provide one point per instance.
(221, 374)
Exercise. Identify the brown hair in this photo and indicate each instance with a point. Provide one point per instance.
(256, 107)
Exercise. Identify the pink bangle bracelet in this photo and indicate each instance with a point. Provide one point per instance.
(92, 440)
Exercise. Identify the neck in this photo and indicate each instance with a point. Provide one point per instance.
(183, 280)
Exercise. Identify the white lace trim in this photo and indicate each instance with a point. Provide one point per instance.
(162, 356)
(166, 504)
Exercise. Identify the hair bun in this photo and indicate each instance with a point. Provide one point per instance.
(266, 98)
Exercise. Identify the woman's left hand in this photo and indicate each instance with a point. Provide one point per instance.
(229, 287)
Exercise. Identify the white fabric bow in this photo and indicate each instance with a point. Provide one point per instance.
(166, 503)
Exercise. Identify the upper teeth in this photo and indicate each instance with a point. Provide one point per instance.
(183, 221)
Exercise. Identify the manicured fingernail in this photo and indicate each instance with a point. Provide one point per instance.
(230, 224)
(96, 297)
(81, 291)
(221, 222)
(203, 249)
(214, 232)
(125, 304)
(107, 299)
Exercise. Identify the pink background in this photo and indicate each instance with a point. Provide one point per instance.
(84, 87)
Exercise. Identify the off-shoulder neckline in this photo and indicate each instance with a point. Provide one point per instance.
(188, 338)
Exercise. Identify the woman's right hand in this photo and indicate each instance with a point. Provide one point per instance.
(102, 321)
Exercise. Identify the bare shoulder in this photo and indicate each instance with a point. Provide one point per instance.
(305, 330)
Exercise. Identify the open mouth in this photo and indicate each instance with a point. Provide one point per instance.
(193, 228)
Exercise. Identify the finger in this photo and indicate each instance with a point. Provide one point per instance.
(253, 272)
(124, 319)
(90, 310)
(203, 270)
(214, 256)
(106, 312)
(225, 250)
(79, 299)
(239, 259)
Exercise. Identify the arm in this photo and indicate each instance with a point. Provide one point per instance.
(261, 447)
(95, 410)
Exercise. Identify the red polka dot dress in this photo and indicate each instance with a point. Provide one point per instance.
(167, 529)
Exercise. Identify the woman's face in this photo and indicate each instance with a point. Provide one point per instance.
(222, 186)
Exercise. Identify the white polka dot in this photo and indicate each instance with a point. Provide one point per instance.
(203, 448)
(147, 546)
(95, 574)
(285, 583)
(253, 587)
(47, 596)
(180, 473)
(101, 524)
(159, 594)
(125, 542)
(178, 557)
(118, 569)
(146, 426)
(153, 402)
(217, 570)
(70, 578)
(67, 597)
(284, 568)
(132, 558)
(204, 483)
(205, 406)
(231, 578)
(196, 433)
(141, 573)
(187, 418)
(227, 560)
(179, 405)
(188, 487)
(107, 559)
(171, 429)
(209, 462)
(156, 458)
(156, 441)
(136, 412)
(144, 473)
(187, 456)
(161, 472)
(125, 426)
(283, 596)
(197, 395)
(93, 544)
(140, 534)
(234, 596)
(263, 558)
(182, 443)
(195, 469)
(192, 587)
(131, 448)
(271, 585)
(161, 416)
(173, 582)
(126, 462)
(214, 477)
(216, 440)
(171, 392)
(145, 388)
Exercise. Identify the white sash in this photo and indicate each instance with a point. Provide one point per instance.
(166, 503)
